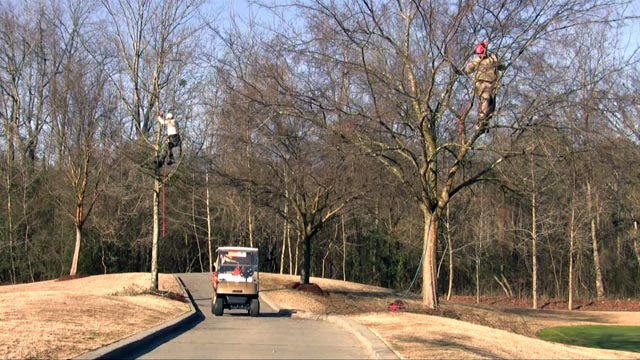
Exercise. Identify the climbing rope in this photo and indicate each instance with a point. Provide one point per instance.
(419, 264)
(164, 191)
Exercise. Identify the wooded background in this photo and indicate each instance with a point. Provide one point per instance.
(339, 125)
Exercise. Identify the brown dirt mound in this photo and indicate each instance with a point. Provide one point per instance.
(311, 288)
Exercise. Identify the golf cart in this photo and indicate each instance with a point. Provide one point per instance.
(235, 280)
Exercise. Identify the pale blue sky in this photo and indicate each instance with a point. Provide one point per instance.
(633, 30)
(244, 9)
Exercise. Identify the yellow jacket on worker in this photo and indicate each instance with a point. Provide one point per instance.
(485, 68)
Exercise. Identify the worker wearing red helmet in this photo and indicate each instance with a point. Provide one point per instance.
(485, 67)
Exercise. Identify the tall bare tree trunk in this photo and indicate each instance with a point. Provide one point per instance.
(636, 243)
(291, 266)
(9, 129)
(477, 250)
(76, 252)
(195, 228)
(27, 231)
(534, 257)
(556, 280)
(81, 216)
(328, 252)
(344, 250)
(10, 224)
(306, 268)
(572, 232)
(430, 233)
(250, 221)
(534, 238)
(156, 233)
(285, 225)
(594, 242)
(450, 247)
(285, 229)
(206, 176)
(250, 209)
(296, 261)
(477, 269)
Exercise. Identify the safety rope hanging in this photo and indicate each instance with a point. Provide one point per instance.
(164, 183)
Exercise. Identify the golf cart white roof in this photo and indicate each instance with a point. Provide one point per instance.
(237, 248)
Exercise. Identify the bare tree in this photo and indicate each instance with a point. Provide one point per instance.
(26, 69)
(307, 194)
(595, 97)
(154, 41)
(80, 110)
(403, 102)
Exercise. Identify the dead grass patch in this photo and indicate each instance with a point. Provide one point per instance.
(454, 331)
(63, 319)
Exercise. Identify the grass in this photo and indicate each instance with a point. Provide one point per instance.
(624, 338)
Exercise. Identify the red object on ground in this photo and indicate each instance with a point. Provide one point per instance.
(397, 305)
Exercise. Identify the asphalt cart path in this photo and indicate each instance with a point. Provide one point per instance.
(236, 335)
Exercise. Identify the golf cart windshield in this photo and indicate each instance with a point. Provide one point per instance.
(230, 261)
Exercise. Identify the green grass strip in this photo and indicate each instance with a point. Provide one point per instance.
(625, 338)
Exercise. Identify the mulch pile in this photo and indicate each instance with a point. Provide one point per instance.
(309, 288)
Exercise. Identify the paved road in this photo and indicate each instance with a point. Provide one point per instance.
(236, 335)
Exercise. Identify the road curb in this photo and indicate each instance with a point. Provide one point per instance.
(122, 348)
(378, 348)
(374, 344)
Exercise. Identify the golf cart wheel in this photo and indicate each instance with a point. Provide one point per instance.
(254, 310)
(218, 307)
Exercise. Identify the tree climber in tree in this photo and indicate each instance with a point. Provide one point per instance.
(486, 67)
(173, 139)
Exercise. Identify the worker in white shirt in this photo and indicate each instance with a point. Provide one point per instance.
(173, 138)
